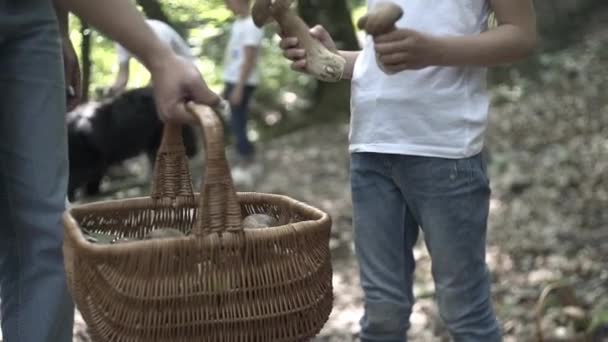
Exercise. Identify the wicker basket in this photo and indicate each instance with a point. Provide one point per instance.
(219, 283)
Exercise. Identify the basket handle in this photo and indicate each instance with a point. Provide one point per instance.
(219, 209)
(172, 182)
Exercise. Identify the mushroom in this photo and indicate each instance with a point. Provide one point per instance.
(123, 240)
(257, 221)
(381, 19)
(321, 63)
(164, 233)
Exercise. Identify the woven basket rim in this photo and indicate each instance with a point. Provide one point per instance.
(74, 233)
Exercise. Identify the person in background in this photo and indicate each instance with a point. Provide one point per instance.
(36, 305)
(241, 76)
(166, 34)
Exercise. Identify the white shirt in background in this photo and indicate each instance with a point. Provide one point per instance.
(166, 34)
(243, 33)
(436, 111)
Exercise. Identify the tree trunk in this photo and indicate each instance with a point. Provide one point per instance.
(85, 52)
(335, 16)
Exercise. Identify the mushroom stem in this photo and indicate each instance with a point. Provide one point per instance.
(321, 63)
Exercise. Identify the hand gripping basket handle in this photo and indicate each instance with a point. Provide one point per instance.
(219, 209)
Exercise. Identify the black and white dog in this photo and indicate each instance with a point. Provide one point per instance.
(106, 134)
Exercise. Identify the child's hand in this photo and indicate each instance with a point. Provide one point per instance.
(405, 49)
(237, 96)
(295, 53)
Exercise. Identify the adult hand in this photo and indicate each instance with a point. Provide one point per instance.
(176, 81)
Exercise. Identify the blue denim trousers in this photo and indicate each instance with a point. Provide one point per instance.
(238, 121)
(35, 302)
(394, 196)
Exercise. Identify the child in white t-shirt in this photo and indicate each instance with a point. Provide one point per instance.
(415, 142)
(241, 75)
(166, 34)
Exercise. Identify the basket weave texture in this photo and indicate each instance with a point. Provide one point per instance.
(221, 282)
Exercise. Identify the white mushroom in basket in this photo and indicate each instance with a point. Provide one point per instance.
(257, 221)
(164, 233)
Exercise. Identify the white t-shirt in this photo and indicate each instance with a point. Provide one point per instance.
(436, 111)
(243, 33)
(166, 34)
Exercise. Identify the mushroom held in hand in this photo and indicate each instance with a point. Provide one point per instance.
(381, 19)
(164, 233)
(259, 221)
(321, 63)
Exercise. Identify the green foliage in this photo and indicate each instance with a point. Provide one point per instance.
(103, 57)
(207, 27)
(204, 20)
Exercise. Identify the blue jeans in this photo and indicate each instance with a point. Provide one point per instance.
(238, 121)
(36, 305)
(394, 195)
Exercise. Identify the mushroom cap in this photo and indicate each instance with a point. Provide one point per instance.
(382, 18)
(362, 23)
(261, 12)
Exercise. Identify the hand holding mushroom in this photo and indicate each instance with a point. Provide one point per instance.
(379, 21)
(321, 63)
(399, 49)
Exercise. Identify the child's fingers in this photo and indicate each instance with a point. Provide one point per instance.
(393, 35)
(299, 65)
(319, 32)
(388, 48)
(294, 54)
(289, 42)
(396, 68)
(410, 65)
(394, 58)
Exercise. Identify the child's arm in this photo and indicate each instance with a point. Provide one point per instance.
(250, 55)
(514, 38)
(351, 58)
(297, 55)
